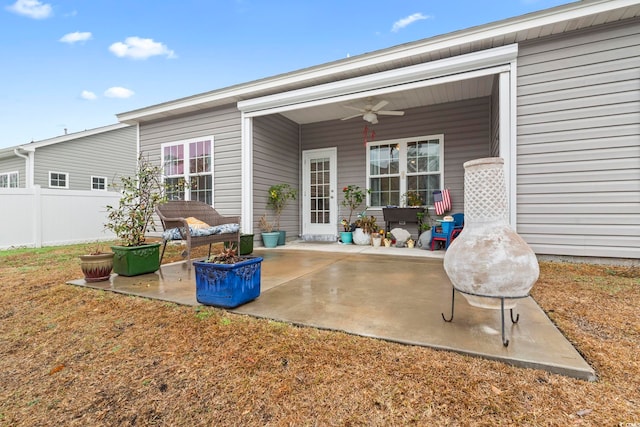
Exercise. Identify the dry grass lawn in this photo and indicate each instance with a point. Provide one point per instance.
(79, 357)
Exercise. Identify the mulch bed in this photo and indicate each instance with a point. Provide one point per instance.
(76, 356)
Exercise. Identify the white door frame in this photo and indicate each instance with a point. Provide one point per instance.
(320, 231)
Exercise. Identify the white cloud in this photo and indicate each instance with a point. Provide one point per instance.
(401, 23)
(88, 95)
(118, 92)
(138, 48)
(31, 8)
(75, 37)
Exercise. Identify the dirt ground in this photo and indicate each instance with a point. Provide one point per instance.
(80, 357)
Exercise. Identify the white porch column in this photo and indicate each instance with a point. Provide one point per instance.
(246, 218)
(507, 136)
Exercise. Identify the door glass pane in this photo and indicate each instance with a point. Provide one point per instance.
(319, 191)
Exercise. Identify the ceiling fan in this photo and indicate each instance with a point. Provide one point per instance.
(370, 112)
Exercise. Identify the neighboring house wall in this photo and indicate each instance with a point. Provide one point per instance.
(14, 164)
(109, 154)
(578, 143)
(465, 125)
(221, 123)
(276, 160)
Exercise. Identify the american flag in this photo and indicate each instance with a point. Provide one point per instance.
(442, 201)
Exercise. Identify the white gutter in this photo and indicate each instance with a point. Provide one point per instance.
(28, 164)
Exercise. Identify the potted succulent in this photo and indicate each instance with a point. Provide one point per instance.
(227, 279)
(353, 197)
(132, 217)
(279, 196)
(269, 237)
(96, 265)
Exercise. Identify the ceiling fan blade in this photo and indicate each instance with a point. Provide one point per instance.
(378, 106)
(351, 117)
(391, 113)
(362, 110)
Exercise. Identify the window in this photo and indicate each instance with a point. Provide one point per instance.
(188, 169)
(58, 180)
(398, 166)
(99, 183)
(9, 180)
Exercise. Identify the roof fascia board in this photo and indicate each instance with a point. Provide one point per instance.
(382, 91)
(386, 79)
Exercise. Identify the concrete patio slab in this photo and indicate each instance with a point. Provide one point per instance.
(386, 293)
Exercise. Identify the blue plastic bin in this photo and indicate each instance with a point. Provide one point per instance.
(228, 285)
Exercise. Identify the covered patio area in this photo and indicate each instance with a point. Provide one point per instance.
(394, 294)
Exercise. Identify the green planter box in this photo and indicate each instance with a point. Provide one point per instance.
(136, 260)
(246, 244)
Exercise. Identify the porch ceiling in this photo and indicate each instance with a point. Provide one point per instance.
(401, 100)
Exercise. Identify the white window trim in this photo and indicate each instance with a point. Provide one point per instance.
(402, 161)
(185, 143)
(106, 186)
(66, 179)
(8, 175)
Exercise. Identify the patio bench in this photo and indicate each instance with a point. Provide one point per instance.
(197, 224)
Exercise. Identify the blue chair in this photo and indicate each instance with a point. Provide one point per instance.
(447, 231)
(458, 221)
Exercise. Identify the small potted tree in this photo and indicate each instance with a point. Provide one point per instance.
(227, 280)
(353, 197)
(132, 217)
(279, 196)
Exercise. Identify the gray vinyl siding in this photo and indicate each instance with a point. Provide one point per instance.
(495, 117)
(14, 164)
(276, 161)
(224, 125)
(578, 180)
(466, 126)
(109, 154)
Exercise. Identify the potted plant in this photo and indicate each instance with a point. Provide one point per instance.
(365, 226)
(96, 265)
(353, 197)
(269, 237)
(412, 198)
(132, 217)
(227, 280)
(279, 196)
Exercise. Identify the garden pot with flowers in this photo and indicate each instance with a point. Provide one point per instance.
(353, 197)
(227, 280)
(279, 196)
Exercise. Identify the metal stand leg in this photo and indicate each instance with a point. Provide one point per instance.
(505, 342)
(453, 298)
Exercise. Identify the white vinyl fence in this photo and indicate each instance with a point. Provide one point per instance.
(36, 217)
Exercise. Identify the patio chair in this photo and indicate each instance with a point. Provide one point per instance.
(446, 235)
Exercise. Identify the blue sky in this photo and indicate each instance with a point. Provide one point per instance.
(75, 64)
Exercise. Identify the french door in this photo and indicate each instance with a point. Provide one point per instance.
(319, 201)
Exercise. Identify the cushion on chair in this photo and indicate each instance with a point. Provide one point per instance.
(195, 223)
(174, 233)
